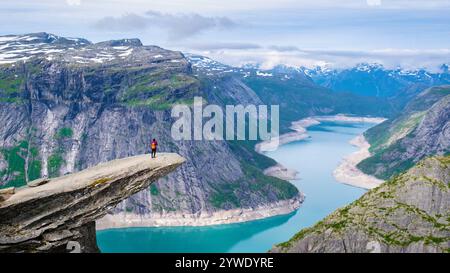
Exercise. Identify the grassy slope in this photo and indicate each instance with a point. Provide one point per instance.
(375, 213)
(386, 138)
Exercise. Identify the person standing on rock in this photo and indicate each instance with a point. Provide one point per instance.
(154, 145)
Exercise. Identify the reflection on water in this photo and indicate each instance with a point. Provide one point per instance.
(315, 158)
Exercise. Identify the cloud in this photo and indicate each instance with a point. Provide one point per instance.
(223, 46)
(374, 2)
(73, 2)
(127, 22)
(284, 48)
(178, 26)
(271, 56)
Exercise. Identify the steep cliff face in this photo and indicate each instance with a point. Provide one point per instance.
(423, 129)
(69, 108)
(409, 213)
(57, 214)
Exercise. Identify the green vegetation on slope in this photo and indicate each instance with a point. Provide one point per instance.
(267, 184)
(392, 167)
(396, 214)
(16, 157)
(54, 164)
(35, 165)
(160, 91)
(10, 84)
(64, 132)
(394, 146)
(389, 133)
(299, 99)
(56, 160)
(254, 181)
(154, 189)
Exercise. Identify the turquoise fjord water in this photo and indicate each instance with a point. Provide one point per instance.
(315, 159)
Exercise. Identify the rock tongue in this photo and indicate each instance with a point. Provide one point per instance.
(48, 217)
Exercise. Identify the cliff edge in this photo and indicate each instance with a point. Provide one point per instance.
(59, 214)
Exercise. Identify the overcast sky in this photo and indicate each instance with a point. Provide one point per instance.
(407, 33)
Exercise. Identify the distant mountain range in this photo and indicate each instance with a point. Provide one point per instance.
(364, 79)
(393, 87)
(397, 85)
(375, 80)
(296, 93)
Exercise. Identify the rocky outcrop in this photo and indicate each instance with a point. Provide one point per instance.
(422, 130)
(60, 215)
(410, 213)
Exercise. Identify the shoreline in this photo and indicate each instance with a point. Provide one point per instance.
(281, 172)
(173, 219)
(348, 173)
(299, 133)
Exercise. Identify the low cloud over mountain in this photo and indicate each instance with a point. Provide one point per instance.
(178, 26)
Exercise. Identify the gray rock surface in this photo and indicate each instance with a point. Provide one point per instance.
(422, 130)
(47, 218)
(410, 213)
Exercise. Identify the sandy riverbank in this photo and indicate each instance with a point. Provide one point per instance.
(348, 173)
(344, 118)
(298, 133)
(281, 172)
(124, 220)
(299, 130)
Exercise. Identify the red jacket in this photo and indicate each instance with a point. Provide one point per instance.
(154, 144)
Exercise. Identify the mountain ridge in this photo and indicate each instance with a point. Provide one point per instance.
(420, 131)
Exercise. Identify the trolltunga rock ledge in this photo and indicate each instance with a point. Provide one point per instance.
(61, 213)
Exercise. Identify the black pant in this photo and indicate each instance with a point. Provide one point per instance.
(153, 153)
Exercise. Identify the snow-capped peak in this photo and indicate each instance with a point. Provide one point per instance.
(15, 48)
